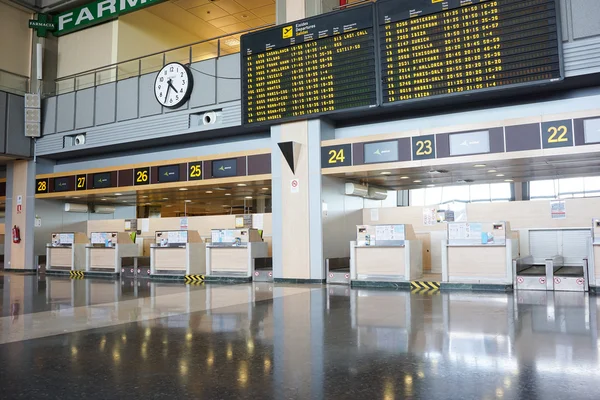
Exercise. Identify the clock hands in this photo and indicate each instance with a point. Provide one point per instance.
(168, 88)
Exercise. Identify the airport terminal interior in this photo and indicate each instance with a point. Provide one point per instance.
(299, 199)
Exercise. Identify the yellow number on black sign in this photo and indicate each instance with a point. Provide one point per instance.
(561, 131)
(141, 176)
(336, 156)
(424, 147)
(42, 186)
(81, 182)
(195, 171)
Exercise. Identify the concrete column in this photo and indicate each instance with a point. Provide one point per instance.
(309, 8)
(20, 211)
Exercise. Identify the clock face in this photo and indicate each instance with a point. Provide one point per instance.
(173, 85)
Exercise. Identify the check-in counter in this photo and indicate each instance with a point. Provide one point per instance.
(385, 253)
(479, 253)
(177, 253)
(66, 252)
(594, 257)
(231, 252)
(106, 249)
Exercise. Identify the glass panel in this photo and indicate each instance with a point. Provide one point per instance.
(480, 192)
(106, 75)
(128, 69)
(570, 186)
(65, 86)
(500, 191)
(433, 196)
(417, 197)
(13, 83)
(84, 81)
(181, 56)
(456, 193)
(230, 44)
(205, 51)
(542, 189)
(151, 64)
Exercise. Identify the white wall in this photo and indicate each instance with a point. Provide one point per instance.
(15, 40)
(55, 219)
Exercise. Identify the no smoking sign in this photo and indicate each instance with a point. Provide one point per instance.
(294, 186)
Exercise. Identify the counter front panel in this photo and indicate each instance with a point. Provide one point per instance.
(386, 261)
(102, 258)
(61, 256)
(166, 258)
(477, 261)
(230, 259)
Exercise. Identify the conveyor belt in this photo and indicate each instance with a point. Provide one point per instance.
(569, 272)
(535, 270)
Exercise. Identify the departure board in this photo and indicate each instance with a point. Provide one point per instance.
(439, 47)
(318, 65)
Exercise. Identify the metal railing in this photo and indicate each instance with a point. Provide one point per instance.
(186, 54)
(13, 83)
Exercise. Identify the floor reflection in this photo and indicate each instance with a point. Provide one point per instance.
(279, 341)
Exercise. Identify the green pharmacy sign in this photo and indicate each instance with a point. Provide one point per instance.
(96, 12)
(42, 25)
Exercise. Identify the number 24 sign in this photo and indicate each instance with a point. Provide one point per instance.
(336, 156)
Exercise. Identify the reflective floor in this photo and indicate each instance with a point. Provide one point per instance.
(62, 338)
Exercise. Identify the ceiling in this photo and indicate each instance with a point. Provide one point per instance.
(517, 170)
(197, 200)
(211, 18)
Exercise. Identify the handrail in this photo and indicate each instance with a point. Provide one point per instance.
(15, 83)
(108, 66)
(14, 73)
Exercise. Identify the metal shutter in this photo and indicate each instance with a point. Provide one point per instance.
(575, 245)
(543, 244)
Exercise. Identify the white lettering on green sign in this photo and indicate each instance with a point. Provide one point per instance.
(95, 13)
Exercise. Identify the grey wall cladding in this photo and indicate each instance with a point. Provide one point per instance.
(106, 107)
(3, 100)
(228, 78)
(587, 15)
(84, 108)
(16, 142)
(205, 83)
(49, 115)
(65, 112)
(127, 99)
(148, 104)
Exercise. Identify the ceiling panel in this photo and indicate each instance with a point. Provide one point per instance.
(187, 4)
(230, 6)
(208, 12)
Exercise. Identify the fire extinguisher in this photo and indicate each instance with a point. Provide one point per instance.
(16, 234)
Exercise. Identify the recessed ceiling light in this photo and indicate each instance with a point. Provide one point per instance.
(248, 197)
(500, 175)
(430, 185)
(144, 197)
(183, 189)
(265, 188)
(147, 204)
(227, 194)
(385, 173)
(188, 201)
(124, 201)
(103, 199)
(418, 181)
(241, 184)
(76, 197)
(508, 180)
(491, 171)
(404, 177)
(169, 205)
(165, 198)
(209, 191)
(479, 165)
(118, 194)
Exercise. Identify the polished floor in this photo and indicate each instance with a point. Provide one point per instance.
(100, 339)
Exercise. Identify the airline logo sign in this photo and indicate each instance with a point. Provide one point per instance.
(95, 13)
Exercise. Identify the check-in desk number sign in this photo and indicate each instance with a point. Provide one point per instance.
(141, 176)
(80, 182)
(41, 186)
(195, 171)
(336, 156)
(423, 147)
(557, 134)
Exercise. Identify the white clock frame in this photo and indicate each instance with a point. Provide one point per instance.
(176, 85)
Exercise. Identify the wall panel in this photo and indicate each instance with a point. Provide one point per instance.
(127, 99)
(84, 108)
(49, 116)
(148, 104)
(228, 81)
(65, 112)
(204, 73)
(105, 107)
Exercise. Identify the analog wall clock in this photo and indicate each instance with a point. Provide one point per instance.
(173, 85)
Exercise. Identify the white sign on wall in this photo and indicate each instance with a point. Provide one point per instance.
(295, 186)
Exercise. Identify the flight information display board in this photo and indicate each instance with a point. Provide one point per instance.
(317, 65)
(432, 47)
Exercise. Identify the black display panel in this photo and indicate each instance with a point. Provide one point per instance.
(41, 186)
(224, 168)
(168, 173)
(336, 156)
(195, 171)
(61, 184)
(141, 176)
(436, 48)
(314, 66)
(102, 180)
(381, 152)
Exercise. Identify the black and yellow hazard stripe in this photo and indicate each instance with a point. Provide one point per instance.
(429, 292)
(425, 285)
(194, 279)
(76, 274)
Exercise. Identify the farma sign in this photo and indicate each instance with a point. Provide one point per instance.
(95, 13)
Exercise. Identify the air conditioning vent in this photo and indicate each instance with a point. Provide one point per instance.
(104, 210)
(76, 208)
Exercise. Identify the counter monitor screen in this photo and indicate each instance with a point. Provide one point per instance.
(314, 66)
(435, 48)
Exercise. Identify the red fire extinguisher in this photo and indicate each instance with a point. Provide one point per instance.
(16, 234)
